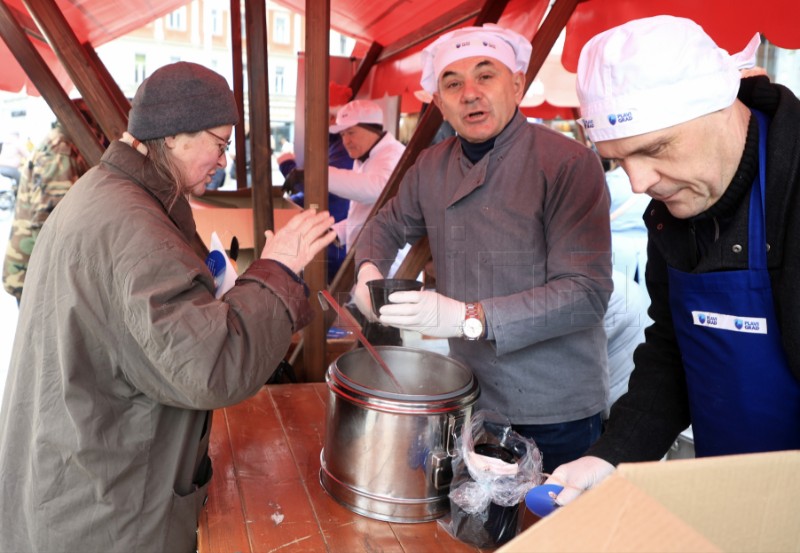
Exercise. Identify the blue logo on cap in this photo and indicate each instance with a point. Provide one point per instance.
(738, 323)
(701, 317)
(612, 119)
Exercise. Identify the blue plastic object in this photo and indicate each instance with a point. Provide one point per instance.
(336, 332)
(215, 263)
(538, 499)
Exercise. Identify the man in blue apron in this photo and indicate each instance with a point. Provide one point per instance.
(718, 150)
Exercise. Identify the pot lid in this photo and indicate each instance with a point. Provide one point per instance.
(423, 375)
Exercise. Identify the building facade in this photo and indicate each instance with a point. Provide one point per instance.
(199, 32)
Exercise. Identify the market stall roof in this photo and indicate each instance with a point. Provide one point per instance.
(405, 26)
(93, 21)
(730, 22)
(400, 22)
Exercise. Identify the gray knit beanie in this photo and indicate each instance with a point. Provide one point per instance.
(181, 97)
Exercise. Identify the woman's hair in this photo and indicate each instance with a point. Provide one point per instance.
(166, 167)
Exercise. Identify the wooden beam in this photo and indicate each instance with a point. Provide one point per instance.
(365, 67)
(48, 86)
(76, 61)
(121, 102)
(238, 93)
(415, 259)
(317, 72)
(445, 22)
(546, 36)
(260, 150)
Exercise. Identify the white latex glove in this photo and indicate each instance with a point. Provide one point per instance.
(297, 242)
(426, 312)
(366, 272)
(578, 476)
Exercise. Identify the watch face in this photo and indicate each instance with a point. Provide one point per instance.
(473, 328)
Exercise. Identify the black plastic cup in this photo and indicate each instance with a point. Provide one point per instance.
(495, 525)
(381, 289)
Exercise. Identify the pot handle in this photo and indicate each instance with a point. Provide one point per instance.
(454, 424)
(441, 470)
(440, 461)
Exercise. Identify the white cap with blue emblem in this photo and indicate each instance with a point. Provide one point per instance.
(653, 73)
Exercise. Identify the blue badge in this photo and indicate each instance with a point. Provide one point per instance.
(539, 501)
(215, 263)
(612, 119)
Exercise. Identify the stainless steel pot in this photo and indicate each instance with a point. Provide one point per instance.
(386, 453)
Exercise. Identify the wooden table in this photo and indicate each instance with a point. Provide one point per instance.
(265, 494)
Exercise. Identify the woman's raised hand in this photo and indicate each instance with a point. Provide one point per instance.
(305, 235)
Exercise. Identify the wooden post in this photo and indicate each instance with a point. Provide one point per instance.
(260, 150)
(238, 93)
(317, 75)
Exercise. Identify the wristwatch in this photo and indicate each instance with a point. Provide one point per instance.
(473, 322)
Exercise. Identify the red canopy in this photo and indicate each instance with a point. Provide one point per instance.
(730, 22)
(391, 22)
(93, 21)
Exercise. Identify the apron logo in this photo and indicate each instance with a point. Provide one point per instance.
(750, 325)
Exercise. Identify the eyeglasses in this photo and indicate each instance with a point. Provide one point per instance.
(222, 147)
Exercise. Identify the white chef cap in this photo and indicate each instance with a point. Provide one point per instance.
(355, 112)
(508, 47)
(653, 73)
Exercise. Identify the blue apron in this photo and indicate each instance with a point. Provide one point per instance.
(742, 395)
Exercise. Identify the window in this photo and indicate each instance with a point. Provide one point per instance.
(216, 22)
(279, 84)
(280, 28)
(176, 21)
(139, 68)
(340, 45)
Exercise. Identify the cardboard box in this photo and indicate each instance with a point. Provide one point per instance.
(234, 217)
(739, 503)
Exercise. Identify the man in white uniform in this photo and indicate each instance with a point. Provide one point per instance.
(375, 153)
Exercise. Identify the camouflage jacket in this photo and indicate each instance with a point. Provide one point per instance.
(53, 167)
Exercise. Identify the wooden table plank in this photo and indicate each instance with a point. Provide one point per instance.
(279, 516)
(258, 440)
(222, 523)
(302, 415)
(266, 495)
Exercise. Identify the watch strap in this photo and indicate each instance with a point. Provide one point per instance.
(474, 310)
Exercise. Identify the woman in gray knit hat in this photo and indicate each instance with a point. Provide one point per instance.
(122, 349)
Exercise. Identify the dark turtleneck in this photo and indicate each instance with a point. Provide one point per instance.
(476, 150)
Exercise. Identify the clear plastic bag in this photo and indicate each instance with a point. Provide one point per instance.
(493, 469)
